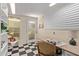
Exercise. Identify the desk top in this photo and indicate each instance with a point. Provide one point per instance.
(70, 48)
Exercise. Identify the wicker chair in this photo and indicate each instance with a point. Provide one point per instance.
(46, 49)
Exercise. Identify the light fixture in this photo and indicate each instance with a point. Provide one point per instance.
(31, 22)
(12, 5)
(32, 15)
(51, 4)
(14, 19)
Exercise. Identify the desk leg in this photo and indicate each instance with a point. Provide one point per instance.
(63, 53)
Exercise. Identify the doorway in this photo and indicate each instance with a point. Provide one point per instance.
(13, 31)
(32, 28)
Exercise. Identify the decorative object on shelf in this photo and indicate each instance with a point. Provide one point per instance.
(72, 42)
(41, 22)
(2, 43)
(41, 26)
(3, 26)
(54, 33)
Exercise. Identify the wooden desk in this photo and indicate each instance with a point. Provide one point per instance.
(72, 49)
(69, 48)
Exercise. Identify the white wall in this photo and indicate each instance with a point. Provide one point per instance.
(62, 35)
(65, 18)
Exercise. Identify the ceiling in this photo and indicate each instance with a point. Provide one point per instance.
(36, 8)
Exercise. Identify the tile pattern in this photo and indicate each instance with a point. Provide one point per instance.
(25, 50)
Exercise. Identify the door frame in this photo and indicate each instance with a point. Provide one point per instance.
(36, 29)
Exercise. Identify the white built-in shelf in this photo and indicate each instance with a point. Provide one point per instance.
(3, 35)
(4, 45)
(3, 20)
(3, 50)
(4, 8)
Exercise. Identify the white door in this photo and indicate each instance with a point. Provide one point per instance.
(31, 30)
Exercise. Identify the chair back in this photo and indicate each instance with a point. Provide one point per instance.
(45, 48)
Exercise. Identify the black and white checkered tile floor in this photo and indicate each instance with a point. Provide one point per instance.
(25, 50)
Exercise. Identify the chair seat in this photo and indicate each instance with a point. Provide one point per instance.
(13, 43)
(45, 48)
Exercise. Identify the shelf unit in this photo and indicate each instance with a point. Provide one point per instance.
(3, 29)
